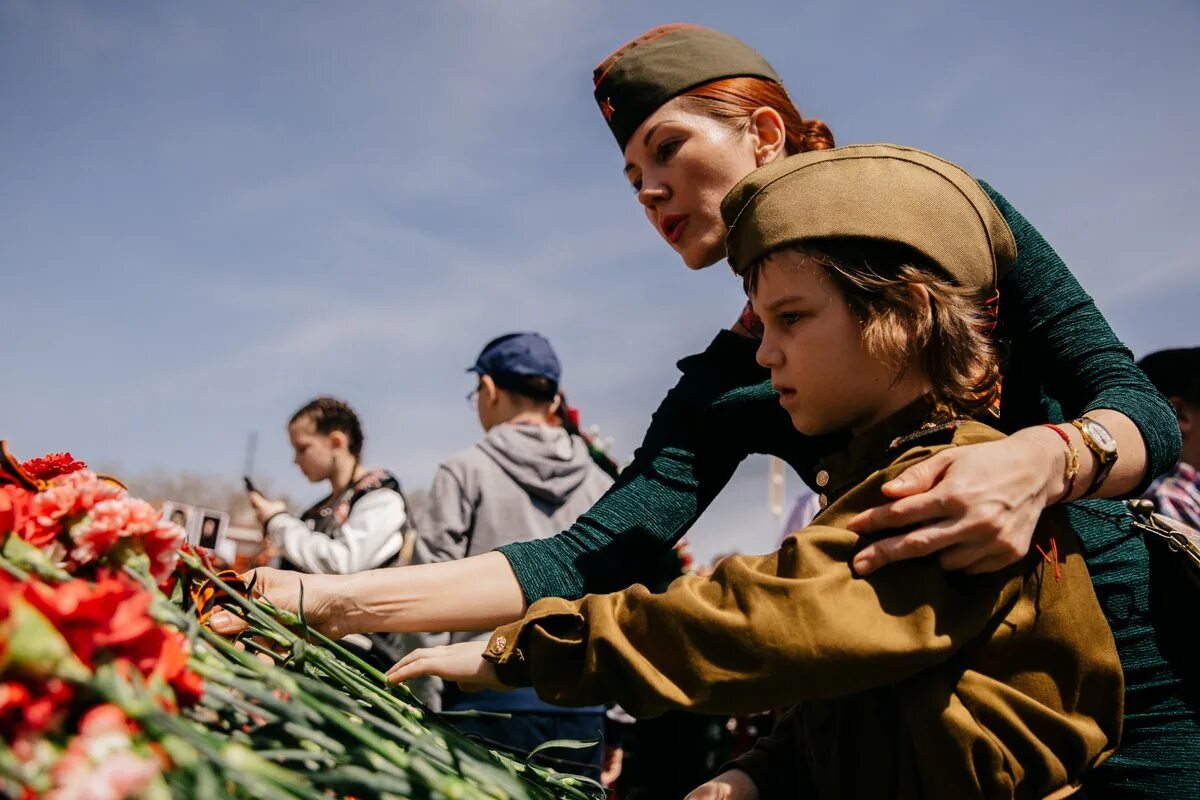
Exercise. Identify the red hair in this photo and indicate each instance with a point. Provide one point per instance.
(735, 99)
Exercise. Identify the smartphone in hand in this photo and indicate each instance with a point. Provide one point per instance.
(250, 487)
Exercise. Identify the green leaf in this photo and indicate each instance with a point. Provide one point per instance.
(35, 647)
(564, 744)
(32, 559)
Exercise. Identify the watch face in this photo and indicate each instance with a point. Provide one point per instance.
(1100, 435)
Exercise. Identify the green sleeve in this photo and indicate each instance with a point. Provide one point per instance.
(1078, 359)
(681, 466)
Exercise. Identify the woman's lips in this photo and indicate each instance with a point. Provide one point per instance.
(672, 226)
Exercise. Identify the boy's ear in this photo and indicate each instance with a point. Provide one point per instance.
(338, 440)
(488, 389)
(920, 292)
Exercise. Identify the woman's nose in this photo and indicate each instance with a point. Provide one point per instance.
(653, 193)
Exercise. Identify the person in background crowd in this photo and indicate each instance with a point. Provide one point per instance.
(1176, 373)
(568, 417)
(528, 477)
(362, 522)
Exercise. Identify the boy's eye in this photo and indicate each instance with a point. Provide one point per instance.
(791, 317)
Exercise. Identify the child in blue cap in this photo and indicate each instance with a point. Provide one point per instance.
(527, 478)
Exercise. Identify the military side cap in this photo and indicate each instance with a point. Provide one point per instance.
(662, 64)
(882, 192)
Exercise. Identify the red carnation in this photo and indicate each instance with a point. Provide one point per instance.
(172, 667)
(14, 507)
(110, 620)
(67, 498)
(112, 614)
(14, 705)
(127, 523)
(51, 465)
(51, 702)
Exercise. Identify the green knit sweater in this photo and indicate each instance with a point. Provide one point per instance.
(1063, 359)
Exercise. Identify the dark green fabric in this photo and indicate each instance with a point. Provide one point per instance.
(1064, 360)
(662, 64)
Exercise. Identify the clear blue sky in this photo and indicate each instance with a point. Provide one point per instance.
(211, 212)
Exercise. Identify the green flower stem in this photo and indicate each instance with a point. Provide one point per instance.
(247, 605)
(298, 754)
(354, 778)
(13, 570)
(339, 692)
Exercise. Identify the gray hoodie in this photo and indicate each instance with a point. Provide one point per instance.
(519, 482)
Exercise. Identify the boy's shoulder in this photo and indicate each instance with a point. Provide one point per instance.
(852, 484)
(465, 461)
(922, 444)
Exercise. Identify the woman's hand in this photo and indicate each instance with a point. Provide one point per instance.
(462, 663)
(730, 785)
(322, 602)
(976, 505)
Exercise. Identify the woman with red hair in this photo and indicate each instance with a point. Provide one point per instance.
(695, 111)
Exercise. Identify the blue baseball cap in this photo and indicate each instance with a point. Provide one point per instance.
(518, 355)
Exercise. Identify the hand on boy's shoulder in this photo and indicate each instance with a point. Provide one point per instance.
(970, 503)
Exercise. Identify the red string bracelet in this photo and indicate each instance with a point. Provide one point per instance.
(1071, 470)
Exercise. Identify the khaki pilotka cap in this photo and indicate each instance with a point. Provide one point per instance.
(882, 192)
(662, 64)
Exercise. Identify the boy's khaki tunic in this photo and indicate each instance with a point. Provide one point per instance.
(915, 682)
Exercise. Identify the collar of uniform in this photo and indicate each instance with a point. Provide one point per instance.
(921, 422)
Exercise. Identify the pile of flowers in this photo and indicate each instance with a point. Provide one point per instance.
(111, 687)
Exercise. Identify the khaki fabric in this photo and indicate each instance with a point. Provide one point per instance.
(912, 682)
(663, 63)
(882, 192)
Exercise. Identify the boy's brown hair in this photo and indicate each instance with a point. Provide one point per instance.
(951, 338)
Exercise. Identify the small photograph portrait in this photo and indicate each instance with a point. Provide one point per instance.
(210, 530)
(183, 515)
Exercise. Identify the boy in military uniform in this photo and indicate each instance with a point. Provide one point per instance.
(869, 267)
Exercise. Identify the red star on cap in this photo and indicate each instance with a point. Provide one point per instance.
(606, 108)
